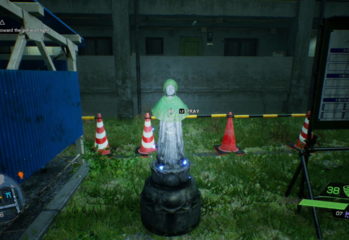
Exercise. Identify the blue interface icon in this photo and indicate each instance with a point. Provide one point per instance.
(8, 195)
(346, 216)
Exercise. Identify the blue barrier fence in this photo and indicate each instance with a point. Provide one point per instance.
(40, 116)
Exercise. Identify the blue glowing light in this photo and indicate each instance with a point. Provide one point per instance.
(161, 167)
(185, 162)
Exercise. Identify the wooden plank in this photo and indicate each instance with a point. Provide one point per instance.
(32, 7)
(48, 61)
(30, 21)
(12, 37)
(76, 38)
(17, 53)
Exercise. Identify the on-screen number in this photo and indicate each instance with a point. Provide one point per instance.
(333, 190)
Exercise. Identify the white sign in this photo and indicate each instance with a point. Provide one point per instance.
(335, 92)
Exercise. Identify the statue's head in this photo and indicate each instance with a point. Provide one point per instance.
(170, 87)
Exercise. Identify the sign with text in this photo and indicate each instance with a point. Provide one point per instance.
(331, 90)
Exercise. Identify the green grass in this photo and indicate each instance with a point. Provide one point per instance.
(243, 196)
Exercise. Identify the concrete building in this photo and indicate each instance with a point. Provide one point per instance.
(240, 56)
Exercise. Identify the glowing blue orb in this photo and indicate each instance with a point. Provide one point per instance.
(185, 162)
(161, 167)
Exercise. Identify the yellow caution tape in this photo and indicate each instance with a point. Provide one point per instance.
(222, 116)
(241, 116)
(218, 115)
(88, 118)
(298, 115)
(270, 115)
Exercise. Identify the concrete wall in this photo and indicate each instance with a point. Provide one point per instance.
(220, 7)
(97, 85)
(268, 8)
(210, 84)
(93, 31)
(78, 6)
(182, 7)
(336, 9)
(269, 41)
(222, 84)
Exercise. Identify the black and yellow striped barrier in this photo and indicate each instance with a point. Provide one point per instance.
(225, 115)
(245, 116)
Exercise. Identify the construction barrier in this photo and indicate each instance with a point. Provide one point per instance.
(228, 144)
(40, 117)
(225, 115)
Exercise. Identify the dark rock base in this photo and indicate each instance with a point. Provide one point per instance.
(170, 210)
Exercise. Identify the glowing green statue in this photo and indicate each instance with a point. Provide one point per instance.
(170, 200)
(170, 110)
(167, 108)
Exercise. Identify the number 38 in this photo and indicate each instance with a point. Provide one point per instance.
(333, 190)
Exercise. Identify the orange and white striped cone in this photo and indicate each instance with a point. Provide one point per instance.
(303, 136)
(101, 143)
(148, 142)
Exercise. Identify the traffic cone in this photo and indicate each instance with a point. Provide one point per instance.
(101, 143)
(303, 136)
(148, 142)
(229, 142)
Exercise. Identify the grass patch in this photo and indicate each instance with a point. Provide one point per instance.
(243, 196)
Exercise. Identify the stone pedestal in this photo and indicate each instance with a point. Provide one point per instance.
(170, 202)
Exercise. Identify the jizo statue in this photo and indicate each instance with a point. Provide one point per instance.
(170, 110)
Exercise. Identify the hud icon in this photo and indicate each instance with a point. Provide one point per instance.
(346, 190)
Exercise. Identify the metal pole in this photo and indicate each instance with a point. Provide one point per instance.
(302, 182)
(304, 160)
(138, 61)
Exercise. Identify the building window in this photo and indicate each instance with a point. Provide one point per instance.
(190, 46)
(240, 47)
(154, 46)
(97, 46)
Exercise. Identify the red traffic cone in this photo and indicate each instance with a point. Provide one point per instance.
(101, 143)
(229, 142)
(148, 143)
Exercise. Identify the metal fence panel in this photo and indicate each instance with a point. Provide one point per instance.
(40, 116)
